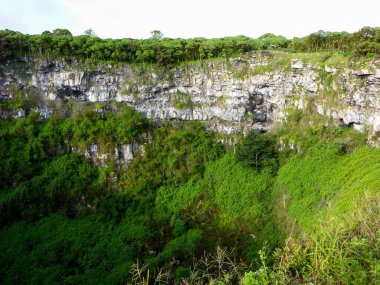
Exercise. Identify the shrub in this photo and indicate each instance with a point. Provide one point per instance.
(257, 150)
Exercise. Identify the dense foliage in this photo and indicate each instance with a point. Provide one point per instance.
(326, 176)
(41, 172)
(72, 221)
(257, 150)
(185, 210)
(343, 251)
(298, 206)
(61, 43)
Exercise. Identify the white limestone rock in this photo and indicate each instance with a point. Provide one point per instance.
(212, 90)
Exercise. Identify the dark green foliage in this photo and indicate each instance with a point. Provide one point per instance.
(108, 131)
(64, 182)
(182, 247)
(273, 42)
(257, 150)
(59, 250)
(39, 174)
(175, 155)
(112, 219)
(231, 202)
(165, 51)
(66, 221)
(364, 42)
(159, 50)
(62, 32)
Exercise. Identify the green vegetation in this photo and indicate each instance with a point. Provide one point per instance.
(295, 206)
(40, 173)
(182, 100)
(184, 210)
(72, 221)
(345, 252)
(257, 150)
(328, 182)
(61, 43)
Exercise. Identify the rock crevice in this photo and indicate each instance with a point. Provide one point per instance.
(217, 93)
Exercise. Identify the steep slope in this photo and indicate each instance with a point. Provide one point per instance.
(253, 91)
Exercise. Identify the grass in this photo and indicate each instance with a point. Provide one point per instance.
(339, 251)
(262, 69)
(325, 182)
(235, 190)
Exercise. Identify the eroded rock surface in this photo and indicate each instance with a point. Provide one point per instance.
(229, 96)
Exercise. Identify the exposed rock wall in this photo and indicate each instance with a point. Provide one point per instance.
(229, 95)
(123, 153)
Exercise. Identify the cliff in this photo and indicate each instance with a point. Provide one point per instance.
(253, 91)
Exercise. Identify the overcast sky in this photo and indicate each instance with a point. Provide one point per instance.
(189, 18)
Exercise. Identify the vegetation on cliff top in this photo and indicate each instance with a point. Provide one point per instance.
(298, 206)
(61, 43)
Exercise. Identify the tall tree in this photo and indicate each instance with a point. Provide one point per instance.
(156, 35)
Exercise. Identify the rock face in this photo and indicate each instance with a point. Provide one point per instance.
(229, 96)
(123, 153)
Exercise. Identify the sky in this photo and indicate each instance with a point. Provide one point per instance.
(189, 18)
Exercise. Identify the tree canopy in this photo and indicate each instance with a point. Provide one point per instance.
(160, 50)
(257, 150)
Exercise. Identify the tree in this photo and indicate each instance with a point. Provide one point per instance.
(90, 32)
(62, 32)
(156, 35)
(257, 150)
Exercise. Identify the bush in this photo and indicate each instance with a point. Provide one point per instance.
(338, 252)
(257, 150)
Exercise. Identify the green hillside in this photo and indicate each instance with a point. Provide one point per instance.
(185, 204)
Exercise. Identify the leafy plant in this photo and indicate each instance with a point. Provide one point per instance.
(257, 150)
